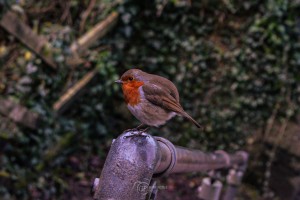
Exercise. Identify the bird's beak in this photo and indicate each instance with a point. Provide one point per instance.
(119, 81)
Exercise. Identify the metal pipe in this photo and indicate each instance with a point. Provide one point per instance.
(210, 190)
(179, 159)
(128, 168)
(234, 179)
(134, 158)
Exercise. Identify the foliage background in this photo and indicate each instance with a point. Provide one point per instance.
(234, 63)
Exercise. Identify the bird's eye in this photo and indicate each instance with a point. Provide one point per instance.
(130, 78)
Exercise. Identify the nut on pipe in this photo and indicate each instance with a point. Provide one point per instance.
(167, 156)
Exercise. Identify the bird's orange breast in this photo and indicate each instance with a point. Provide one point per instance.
(131, 92)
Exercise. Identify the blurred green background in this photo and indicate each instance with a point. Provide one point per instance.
(236, 65)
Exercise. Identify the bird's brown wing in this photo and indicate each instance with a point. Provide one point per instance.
(166, 84)
(161, 97)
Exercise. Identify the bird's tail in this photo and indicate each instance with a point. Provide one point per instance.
(184, 114)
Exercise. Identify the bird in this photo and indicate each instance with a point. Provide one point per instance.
(152, 99)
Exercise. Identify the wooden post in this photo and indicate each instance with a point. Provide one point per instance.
(38, 44)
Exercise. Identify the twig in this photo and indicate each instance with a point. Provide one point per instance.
(42, 10)
(66, 14)
(85, 14)
(161, 7)
(272, 154)
(84, 42)
(270, 121)
(276, 144)
(74, 92)
(95, 33)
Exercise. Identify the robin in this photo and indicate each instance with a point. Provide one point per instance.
(152, 99)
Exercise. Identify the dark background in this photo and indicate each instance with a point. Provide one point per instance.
(236, 65)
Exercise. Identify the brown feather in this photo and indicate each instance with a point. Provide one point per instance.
(159, 97)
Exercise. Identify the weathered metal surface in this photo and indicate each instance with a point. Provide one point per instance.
(128, 168)
(210, 190)
(133, 160)
(175, 159)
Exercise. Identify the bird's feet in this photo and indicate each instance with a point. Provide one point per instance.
(137, 129)
(137, 132)
(130, 130)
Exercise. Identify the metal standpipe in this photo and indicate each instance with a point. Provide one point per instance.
(210, 190)
(234, 179)
(134, 159)
(128, 168)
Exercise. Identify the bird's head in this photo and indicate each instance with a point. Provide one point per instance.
(131, 77)
(131, 80)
